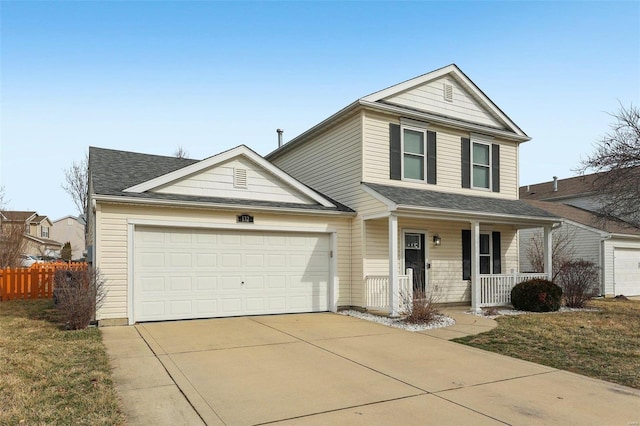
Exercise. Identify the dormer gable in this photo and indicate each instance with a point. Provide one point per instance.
(238, 173)
(446, 92)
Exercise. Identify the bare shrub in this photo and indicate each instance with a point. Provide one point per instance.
(77, 294)
(419, 307)
(579, 282)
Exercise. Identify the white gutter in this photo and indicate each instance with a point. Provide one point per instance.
(466, 215)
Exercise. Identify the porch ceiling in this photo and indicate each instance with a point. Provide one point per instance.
(448, 206)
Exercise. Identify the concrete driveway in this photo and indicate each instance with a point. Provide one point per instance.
(329, 369)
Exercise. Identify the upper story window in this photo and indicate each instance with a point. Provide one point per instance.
(480, 163)
(481, 176)
(44, 232)
(412, 152)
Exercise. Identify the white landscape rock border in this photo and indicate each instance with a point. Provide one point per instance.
(439, 322)
(506, 312)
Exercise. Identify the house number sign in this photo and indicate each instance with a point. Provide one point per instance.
(245, 218)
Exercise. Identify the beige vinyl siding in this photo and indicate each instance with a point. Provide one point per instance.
(445, 275)
(448, 159)
(218, 181)
(332, 164)
(430, 97)
(112, 246)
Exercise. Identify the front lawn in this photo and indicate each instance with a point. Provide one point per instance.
(49, 375)
(603, 344)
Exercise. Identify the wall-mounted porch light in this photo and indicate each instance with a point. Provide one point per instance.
(436, 239)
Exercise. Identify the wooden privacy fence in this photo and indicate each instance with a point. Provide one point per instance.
(35, 282)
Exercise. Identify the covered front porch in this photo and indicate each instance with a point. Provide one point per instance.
(462, 256)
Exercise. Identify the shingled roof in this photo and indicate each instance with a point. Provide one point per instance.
(586, 217)
(458, 202)
(577, 185)
(113, 171)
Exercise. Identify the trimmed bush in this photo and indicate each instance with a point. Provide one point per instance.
(536, 295)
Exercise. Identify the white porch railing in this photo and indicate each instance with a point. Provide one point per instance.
(377, 290)
(495, 290)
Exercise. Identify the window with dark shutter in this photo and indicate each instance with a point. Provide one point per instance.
(431, 158)
(466, 254)
(495, 167)
(497, 253)
(395, 152)
(466, 162)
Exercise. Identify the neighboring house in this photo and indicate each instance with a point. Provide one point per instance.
(37, 232)
(70, 229)
(613, 245)
(421, 176)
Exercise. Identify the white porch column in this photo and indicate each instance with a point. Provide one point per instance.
(475, 266)
(548, 252)
(393, 265)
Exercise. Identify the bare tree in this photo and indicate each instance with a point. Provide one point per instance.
(181, 153)
(562, 250)
(76, 183)
(12, 244)
(618, 155)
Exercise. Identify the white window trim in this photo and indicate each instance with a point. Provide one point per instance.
(490, 254)
(489, 166)
(422, 130)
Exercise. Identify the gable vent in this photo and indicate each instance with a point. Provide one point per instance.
(448, 92)
(239, 178)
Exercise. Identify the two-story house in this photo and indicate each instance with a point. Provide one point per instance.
(37, 230)
(70, 229)
(412, 188)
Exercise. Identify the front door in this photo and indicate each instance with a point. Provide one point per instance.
(414, 258)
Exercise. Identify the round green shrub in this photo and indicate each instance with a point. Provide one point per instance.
(536, 295)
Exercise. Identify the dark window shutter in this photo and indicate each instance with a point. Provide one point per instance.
(466, 254)
(395, 152)
(497, 253)
(431, 157)
(466, 163)
(495, 167)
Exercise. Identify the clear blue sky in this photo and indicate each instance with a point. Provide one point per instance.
(152, 76)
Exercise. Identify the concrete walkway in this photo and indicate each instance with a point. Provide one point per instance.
(327, 368)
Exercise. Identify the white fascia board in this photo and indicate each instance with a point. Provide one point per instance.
(625, 236)
(240, 150)
(391, 205)
(219, 206)
(451, 122)
(460, 77)
(458, 215)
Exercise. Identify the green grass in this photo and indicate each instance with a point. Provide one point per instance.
(49, 375)
(604, 344)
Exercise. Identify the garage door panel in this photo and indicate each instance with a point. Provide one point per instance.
(180, 284)
(254, 260)
(205, 283)
(627, 272)
(189, 273)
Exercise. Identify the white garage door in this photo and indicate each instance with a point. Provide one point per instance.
(194, 273)
(626, 272)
